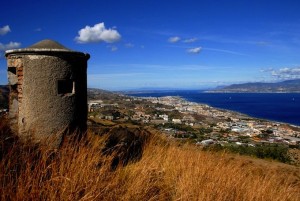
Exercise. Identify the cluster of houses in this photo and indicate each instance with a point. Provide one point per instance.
(227, 128)
(96, 104)
(233, 123)
(161, 118)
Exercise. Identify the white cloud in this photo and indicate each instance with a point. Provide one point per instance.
(224, 51)
(190, 40)
(97, 33)
(11, 45)
(267, 70)
(4, 30)
(174, 39)
(286, 73)
(195, 50)
(129, 45)
(38, 29)
(112, 48)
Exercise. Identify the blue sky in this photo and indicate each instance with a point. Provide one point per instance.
(190, 44)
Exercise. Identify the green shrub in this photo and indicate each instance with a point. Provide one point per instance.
(275, 152)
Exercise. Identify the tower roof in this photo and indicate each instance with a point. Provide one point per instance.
(45, 47)
(48, 44)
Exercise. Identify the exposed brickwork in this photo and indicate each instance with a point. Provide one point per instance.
(20, 82)
(15, 62)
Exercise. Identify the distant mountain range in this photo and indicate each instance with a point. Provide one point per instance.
(288, 86)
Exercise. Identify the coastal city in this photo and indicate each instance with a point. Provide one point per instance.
(200, 123)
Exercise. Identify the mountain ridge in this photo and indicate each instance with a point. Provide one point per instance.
(287, 86)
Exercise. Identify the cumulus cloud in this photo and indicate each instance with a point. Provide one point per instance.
(97, 33)
(195, 50)
(286, 73)
(174, 39)
(190, 40)
(4, 30)
(11, 45)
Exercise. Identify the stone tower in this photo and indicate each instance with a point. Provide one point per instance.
(48, 90)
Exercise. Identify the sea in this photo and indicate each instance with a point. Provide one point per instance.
(279, 107)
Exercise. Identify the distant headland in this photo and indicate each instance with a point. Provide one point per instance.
(288, 86)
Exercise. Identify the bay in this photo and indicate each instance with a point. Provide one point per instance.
(281, 107)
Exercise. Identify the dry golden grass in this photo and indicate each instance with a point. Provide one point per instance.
(166, 171)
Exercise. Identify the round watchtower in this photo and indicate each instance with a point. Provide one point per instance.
(48, 89)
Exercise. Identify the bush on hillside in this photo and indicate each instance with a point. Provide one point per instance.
(274, 152)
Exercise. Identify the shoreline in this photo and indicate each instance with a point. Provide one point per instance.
(231, 112)
(266, 115)
(242, 114)
(239, 113)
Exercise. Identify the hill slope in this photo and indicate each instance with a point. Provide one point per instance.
(166, 170)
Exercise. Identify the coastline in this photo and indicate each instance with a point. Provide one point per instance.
(227, 119)
(240, 113)
(282, 108)
(188, 119)
(253, 92)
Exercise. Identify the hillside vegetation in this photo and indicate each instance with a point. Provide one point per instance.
(164, 170)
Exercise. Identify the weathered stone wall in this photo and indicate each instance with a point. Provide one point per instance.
(15, 80)
(51, 93)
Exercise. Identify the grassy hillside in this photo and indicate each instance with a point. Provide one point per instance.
(165, 170)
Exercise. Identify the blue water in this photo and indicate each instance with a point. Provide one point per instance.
(282, 107)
